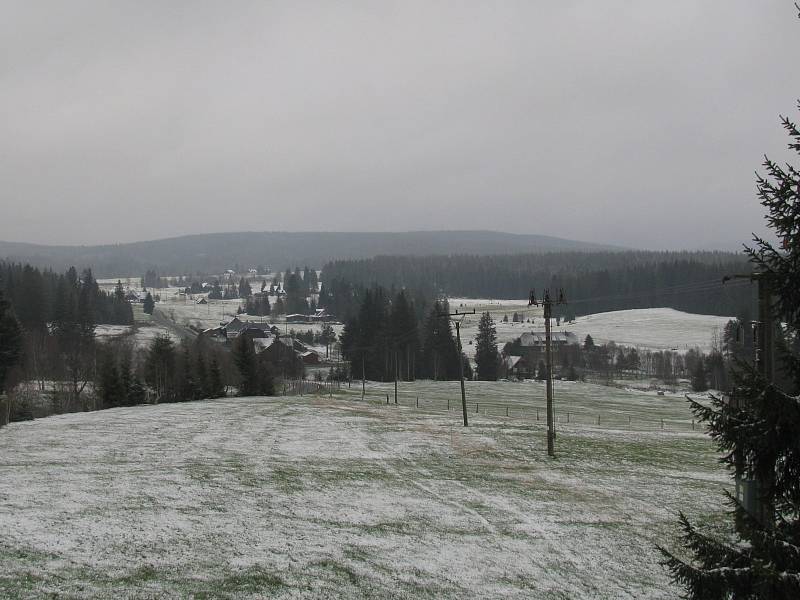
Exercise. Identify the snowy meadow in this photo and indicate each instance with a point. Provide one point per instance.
(319, 496)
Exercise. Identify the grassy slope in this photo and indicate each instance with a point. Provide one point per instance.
(318, 497)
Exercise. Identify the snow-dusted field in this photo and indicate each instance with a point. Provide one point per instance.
(334, 497)
(111, 331)
(654, 328)
(647, 328)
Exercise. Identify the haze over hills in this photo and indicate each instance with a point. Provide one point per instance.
(216, 252)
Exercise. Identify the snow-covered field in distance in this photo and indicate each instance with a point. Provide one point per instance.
(311, 497)
(654, 328)
(646, 328)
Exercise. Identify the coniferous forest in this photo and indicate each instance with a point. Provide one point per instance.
(593, 281)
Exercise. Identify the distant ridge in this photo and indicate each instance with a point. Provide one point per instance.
(215, 252)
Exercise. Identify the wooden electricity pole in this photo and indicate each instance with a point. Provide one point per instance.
(547, 304)
(749, 490)
(460, 358)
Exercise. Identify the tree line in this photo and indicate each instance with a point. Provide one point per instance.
(594, 281)
(387, 338)
(50, 320)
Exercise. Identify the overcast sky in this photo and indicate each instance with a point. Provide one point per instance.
(637, 123)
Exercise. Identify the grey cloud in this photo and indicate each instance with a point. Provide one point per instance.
(636, 123)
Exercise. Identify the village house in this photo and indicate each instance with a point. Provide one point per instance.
(520, 359)
(320, 316)
(537, 339)
(516, 367)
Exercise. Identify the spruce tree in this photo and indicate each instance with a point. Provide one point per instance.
(149, 305)
(136, 392)
(201, 369)
(160, 368)
(439, 349)
(699, 379)
(403, 335)
(126, 379)
(109, 385)
(10, 340)
(486, 355)
(759, 432)
(244, 357)
(216, 384)
(189, 388)
(245, 291)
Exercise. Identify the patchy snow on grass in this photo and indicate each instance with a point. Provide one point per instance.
(647, 328)
(144, 335)
(318, 497)
(654, 328)
(111, 331)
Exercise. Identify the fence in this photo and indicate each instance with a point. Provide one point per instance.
(300, 387)
(507, 410)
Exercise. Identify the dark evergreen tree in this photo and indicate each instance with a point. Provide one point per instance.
(201, 368)
(327, 337)
(588, 343)
(216, 291)
(216, 383)
(245, 291)
(295, 294)
(126, 378)
(137, 394)
(189, 389)
(439, 350)
(31, 307)
(403, 336)
(160, 368)
(699, 376)
(109, 385)
(148, 305)
(759, 433)
(244, 357)
(73, 327)
(312, 282)
(486, 356)
(10, 340)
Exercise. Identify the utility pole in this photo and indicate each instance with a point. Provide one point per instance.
(547, 303)
(460, 358)
(749, 491)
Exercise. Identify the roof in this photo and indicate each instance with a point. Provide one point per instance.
(214, 331)
(512, 361)
(264, 343)
(235, 326)
(538, 338)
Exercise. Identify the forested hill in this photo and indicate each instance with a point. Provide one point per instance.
(594, 282)
(216, 252)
